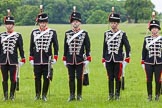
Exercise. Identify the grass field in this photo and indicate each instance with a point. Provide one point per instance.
(95, 95)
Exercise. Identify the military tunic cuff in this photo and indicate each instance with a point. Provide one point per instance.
(55, 57)
(31, 58)
(89, 58)
(63, 58)
(23, 60)
(127, 60)
(103, 60)
(142, 62)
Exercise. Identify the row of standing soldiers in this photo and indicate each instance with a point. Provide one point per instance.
(76, 44)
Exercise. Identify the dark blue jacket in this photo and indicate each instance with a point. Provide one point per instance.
(113, 51)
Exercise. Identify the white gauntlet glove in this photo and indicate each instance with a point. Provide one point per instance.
(65, 63)
(53, 61)
(104, 64)
(124, 64)
(21, 63)
(86, 63)
(32, 62)
(143, 66)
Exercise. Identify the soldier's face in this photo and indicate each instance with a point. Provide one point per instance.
(114, 25)
(9, 27)
(43, 25)
(75, 24)
(155, 31)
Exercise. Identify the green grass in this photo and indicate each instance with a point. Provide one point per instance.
(95, 95)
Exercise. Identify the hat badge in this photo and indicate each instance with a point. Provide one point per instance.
(8, 18)
(153, 21)
(112, 15)
(40, 17)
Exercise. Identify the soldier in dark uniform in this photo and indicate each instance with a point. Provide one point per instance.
(10, 41)
(114, 40)
(42, 40)
(76, 43)
(152, 58)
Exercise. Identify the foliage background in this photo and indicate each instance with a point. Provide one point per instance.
(93, 11)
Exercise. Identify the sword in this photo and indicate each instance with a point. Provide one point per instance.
(17, 77)
(50, 69)
(85, 73)
(161, 84)
(123, 72)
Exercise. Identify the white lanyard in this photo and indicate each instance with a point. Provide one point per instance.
(74, 36)
(4, 39)
(41, 34)
(113, 36)
(153, 41)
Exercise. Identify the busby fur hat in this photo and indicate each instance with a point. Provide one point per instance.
(75, 15)
(154, 23)
(9, 19)
(114, 17)
(42, 17)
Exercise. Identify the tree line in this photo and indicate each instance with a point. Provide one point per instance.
(92, 11)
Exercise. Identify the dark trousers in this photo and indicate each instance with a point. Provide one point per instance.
(6, 70)
(157, 70)
(39, 71)
(75, 71)
(114, 71)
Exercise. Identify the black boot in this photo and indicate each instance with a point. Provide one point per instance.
(149, 98)
(5, 96)
(157, 97)
(12, 96)
(161, 88)
(12, 90)
(149, 88)
(45, 89)
(117, 90)
(71, 98)
(157, 91)
(37, 89)
(37, 97)
(111, 90)
(79, 89)
(44, 97)
(122, 83)
(72, 90)
(5, 90)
